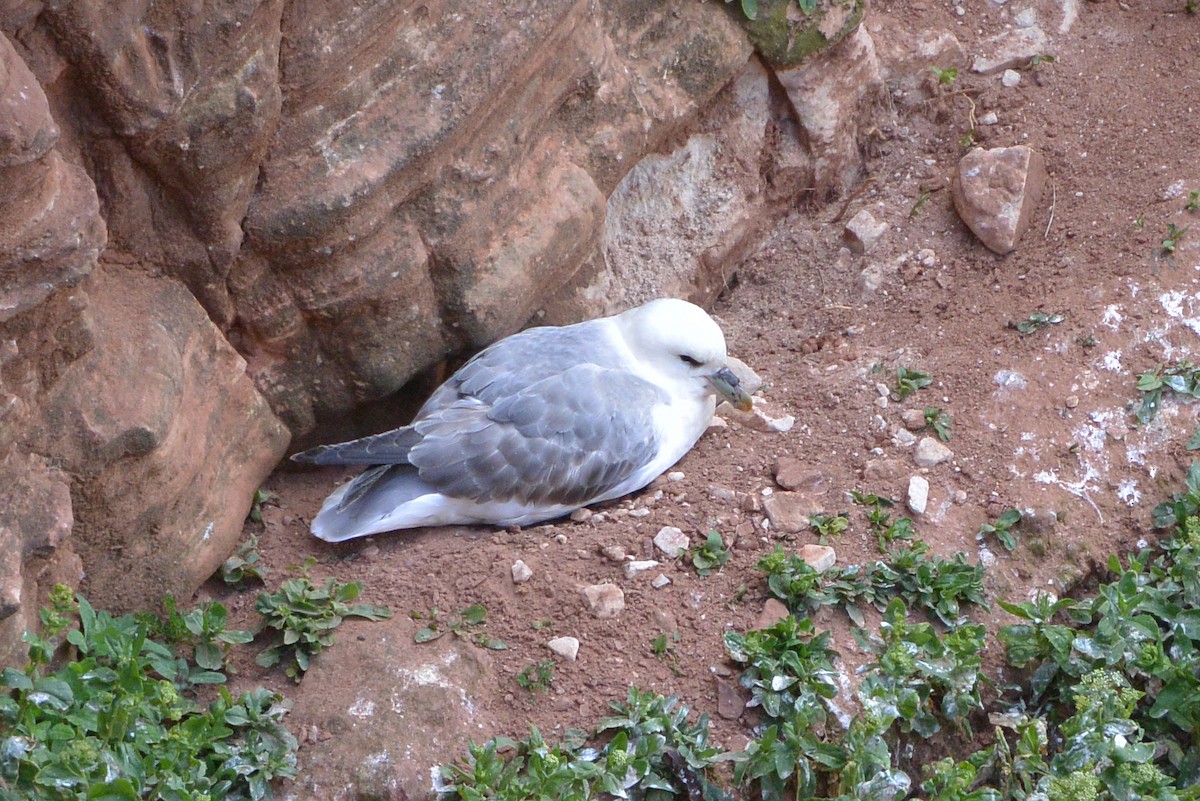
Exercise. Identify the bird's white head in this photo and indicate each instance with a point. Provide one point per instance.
(681, 342)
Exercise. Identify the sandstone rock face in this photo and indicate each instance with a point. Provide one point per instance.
(164, 475)
(835, 93)
(997, 191)
(131, 439)
(307, 205)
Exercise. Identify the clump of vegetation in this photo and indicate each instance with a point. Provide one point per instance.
(203, 628)
(1171, 240)
(302, 617)
(537, 677)
(244, 565)
(1182, 378)
(465, 623)
(710, 555)
(120, 721)
(262, 497)
(828, 526)
(937, 586)
(885, 529)
(647, 749)
(945, 77)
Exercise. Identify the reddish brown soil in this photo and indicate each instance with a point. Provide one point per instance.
(1116, 116)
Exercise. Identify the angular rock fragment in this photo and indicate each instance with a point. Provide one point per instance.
(997, 191)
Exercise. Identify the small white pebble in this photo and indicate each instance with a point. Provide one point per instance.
(675, 475)
(660, 581)
(521, 572)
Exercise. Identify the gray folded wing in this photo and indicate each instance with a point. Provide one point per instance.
(565, 439)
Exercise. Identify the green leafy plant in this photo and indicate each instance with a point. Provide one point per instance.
(262, 498)
(909, 381)
(463, 624)
(710, 555)
(1182, 378)
(244, 565)
(1139, 222)
(937, 586)
(1035, 321)
(1171, 240)
(885, 529)
(1193, 201)
(647, 749)
(789, 666)
(940, 422)
(537, 677)
(749, 8)
(302, 617)
(947, 76)
(204, 629)
(922, 679)
(828, 526)
(1002, 528)
(118, 721)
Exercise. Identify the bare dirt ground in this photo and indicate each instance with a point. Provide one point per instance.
(1041, 421)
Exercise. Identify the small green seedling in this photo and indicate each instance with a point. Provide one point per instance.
(909, 381)
(1139, 222)
(1174, 234)
(304, 616)
(1088, 341)
(939, 421)
(460, 624)
(916, 209)
(885, 529)
(967, 139)
(945, 77)
(244, 564)
(1193, 201)
(829, 525)
(262, 498)
(537, 677)
(1037, 61)
(1035, 321)
(710, 555)
(663, 648)
(1002, 528)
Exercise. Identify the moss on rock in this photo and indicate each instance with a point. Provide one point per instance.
(785, 35)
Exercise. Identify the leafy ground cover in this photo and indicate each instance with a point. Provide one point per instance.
(1102, 702)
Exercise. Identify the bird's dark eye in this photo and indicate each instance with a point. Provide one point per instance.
(688, 360)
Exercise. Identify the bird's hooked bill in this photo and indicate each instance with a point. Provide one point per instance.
(730, 388)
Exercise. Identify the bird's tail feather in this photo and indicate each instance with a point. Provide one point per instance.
(369, 504)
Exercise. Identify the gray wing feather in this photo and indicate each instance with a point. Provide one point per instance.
(391, 447)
